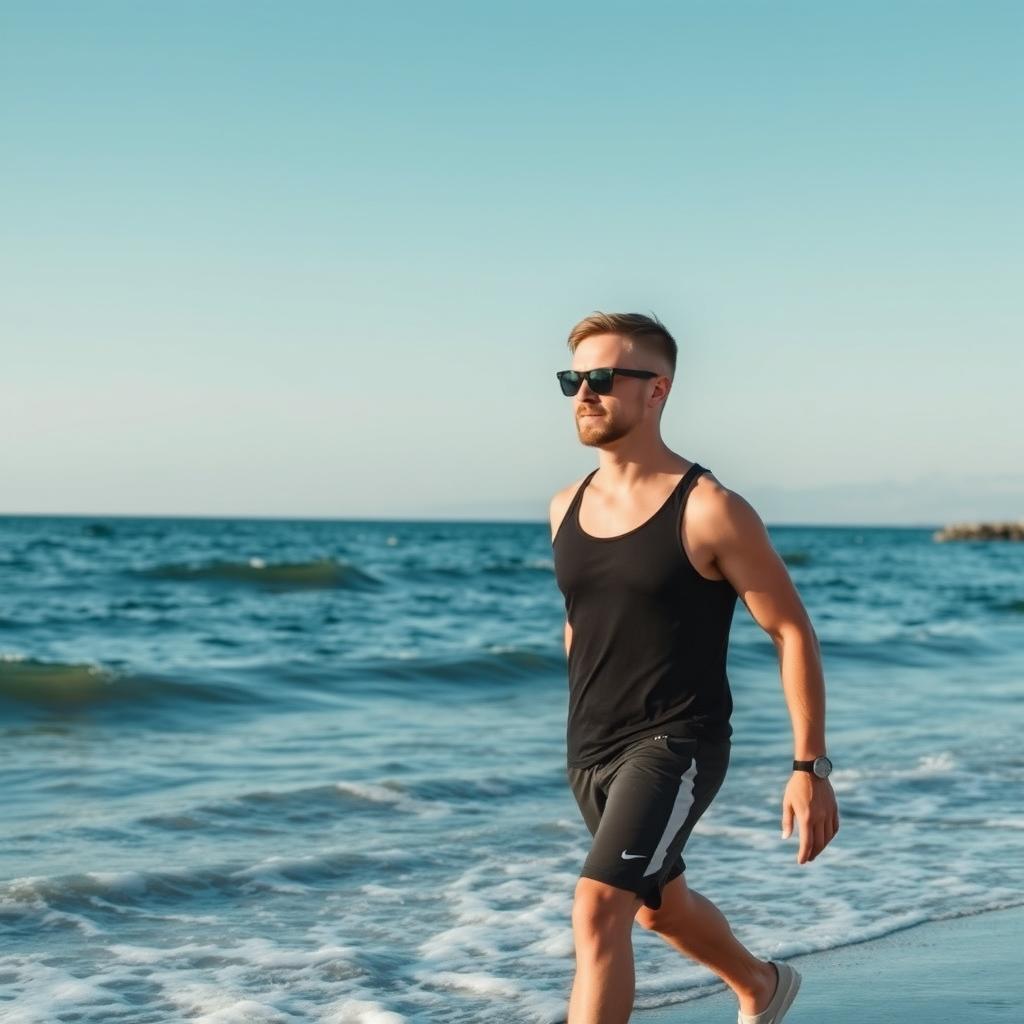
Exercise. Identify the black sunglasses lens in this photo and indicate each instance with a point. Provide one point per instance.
(570, 381)
(599, 381)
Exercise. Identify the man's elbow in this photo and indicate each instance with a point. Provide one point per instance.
(794, 634)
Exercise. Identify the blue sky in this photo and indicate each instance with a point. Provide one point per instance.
(321, 259)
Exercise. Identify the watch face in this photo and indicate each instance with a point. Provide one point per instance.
(822, 767)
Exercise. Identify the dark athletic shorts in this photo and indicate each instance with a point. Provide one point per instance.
(641, 806)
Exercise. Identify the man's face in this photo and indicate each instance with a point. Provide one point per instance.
(603, 419)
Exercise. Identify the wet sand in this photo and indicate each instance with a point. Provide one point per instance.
(963, 970)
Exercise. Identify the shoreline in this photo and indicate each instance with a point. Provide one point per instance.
(949, 971)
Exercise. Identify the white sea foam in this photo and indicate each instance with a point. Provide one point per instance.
(78, 921)
(381, 793)
(927, 765)
(120, 883)
(384, 893)
(540, 563)
(43, 990)
(360, 1011)
(477, 982)
(376, 792)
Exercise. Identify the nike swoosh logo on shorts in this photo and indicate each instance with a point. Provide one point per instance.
(630, 856)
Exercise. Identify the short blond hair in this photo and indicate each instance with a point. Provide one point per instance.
(646, 332)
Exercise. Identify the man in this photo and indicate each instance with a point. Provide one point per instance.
(649, 595)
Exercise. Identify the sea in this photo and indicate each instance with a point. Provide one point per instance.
(280, 771)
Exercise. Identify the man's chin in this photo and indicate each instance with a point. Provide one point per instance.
(605, 434)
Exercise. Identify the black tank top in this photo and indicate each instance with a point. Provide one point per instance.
(649, 634)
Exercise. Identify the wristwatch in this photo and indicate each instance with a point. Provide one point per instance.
(820, 766)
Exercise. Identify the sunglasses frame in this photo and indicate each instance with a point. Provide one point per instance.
(603, 388)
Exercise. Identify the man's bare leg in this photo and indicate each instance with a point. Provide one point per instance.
(695, 926)
(602, 925)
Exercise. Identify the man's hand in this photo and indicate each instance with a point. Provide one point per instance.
(813, 803)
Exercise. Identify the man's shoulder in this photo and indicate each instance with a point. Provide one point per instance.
(707, 489)
(714, 510)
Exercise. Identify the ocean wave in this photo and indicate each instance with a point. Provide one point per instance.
(321, 573)
(413, 571)
(320, 804)
(429, 798)
(494, 663)
(895, 923)
(926, 766)
(485, 790)
(910, 645)
(60, 685)
(28, 895)
(286, 808)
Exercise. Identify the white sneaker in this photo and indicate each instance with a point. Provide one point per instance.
(785, 992)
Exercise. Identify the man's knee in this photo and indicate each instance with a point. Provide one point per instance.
(673, 903)
(602, 909)
(652, 920)
(664, 920)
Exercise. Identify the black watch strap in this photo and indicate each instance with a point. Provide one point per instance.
(808, 766)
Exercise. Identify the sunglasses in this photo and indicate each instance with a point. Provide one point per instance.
(599, 381)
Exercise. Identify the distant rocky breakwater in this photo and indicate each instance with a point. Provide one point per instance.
(981, 531)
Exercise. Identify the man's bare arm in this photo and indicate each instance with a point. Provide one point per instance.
(744, 554)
